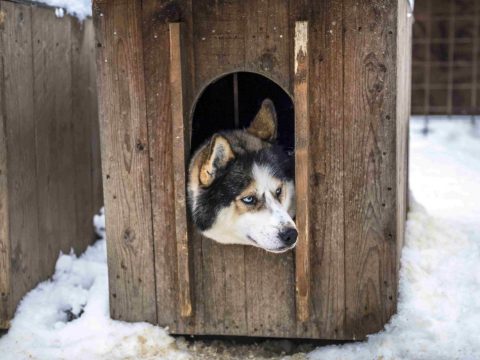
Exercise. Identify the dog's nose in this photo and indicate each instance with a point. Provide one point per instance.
(289, 236)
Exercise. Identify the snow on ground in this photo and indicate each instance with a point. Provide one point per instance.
(439, 306)
(41, 328)
(79, 8)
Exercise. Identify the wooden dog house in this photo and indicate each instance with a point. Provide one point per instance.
(344, 64)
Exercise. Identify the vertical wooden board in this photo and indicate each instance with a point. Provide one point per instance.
(302, 170)
(5, 273)
(219, 39)
(270, 289)
(214, 285)
(218, 48)
(267, 34)
(125, 160)
(404, 38)
(88, 52)
(52, 88)
(270, 293)
(327, 312)
(370, 156)
(84, 109)
(156, 16)
(180, 150)
(26, 267)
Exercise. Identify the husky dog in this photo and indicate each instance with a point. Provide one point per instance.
(241, 189)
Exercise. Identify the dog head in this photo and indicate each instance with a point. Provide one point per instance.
(241, 188)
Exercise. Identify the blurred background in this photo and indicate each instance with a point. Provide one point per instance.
(446, 58)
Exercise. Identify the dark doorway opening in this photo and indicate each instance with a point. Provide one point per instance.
(232, 101)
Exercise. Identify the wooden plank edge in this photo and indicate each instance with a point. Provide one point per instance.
(302, 170)
(5, 246)
(179, 151)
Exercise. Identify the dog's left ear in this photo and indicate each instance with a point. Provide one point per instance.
(219, 155)
(264, 125)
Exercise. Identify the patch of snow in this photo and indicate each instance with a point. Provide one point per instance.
(79, 8)
(445, 170)
(67, 317)
(59, 12)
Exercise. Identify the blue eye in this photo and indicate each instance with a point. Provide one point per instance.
(278, 192)
(249, 200)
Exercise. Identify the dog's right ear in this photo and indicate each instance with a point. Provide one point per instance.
(219, 154)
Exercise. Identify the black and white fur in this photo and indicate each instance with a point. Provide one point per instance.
(241, 188)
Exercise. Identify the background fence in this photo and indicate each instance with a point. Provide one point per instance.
(50, 177)
(445, 68)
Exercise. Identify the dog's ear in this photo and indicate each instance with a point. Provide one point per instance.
(264, 125)
(219, 153)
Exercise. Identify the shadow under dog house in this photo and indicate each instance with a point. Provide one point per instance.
(172, 72)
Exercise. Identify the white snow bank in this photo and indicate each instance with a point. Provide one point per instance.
(79, 8)
(79, 287)
(445, 170)
(439, 306)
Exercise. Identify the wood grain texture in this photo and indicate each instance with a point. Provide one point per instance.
(404, 65)
(55, 172)
(302, 170)
(327, 308)
(85, 130)
(218, 264)
(5, 271)
(180, 150)
(19, 122)
(270, 280)
(125, 160)
(46, 147)
(157, 91)
(369, 164)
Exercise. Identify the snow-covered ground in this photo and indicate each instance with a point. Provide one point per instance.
(439, 306)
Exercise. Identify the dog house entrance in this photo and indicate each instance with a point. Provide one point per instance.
(232, 101)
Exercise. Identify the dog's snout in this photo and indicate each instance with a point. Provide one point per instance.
(289, 236)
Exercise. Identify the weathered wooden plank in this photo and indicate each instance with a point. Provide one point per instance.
(53, 136)
(219, 269)
(90, 68)
(5, 273)
(219, 39)
(267, 34)
(37, 119)
(125, 160)
(180, 150)
(84, 118)
(302, 170)
(370, 173)
(156, 15)
(327, 307)
(26, 267)
(270, 279)
(403, 79)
